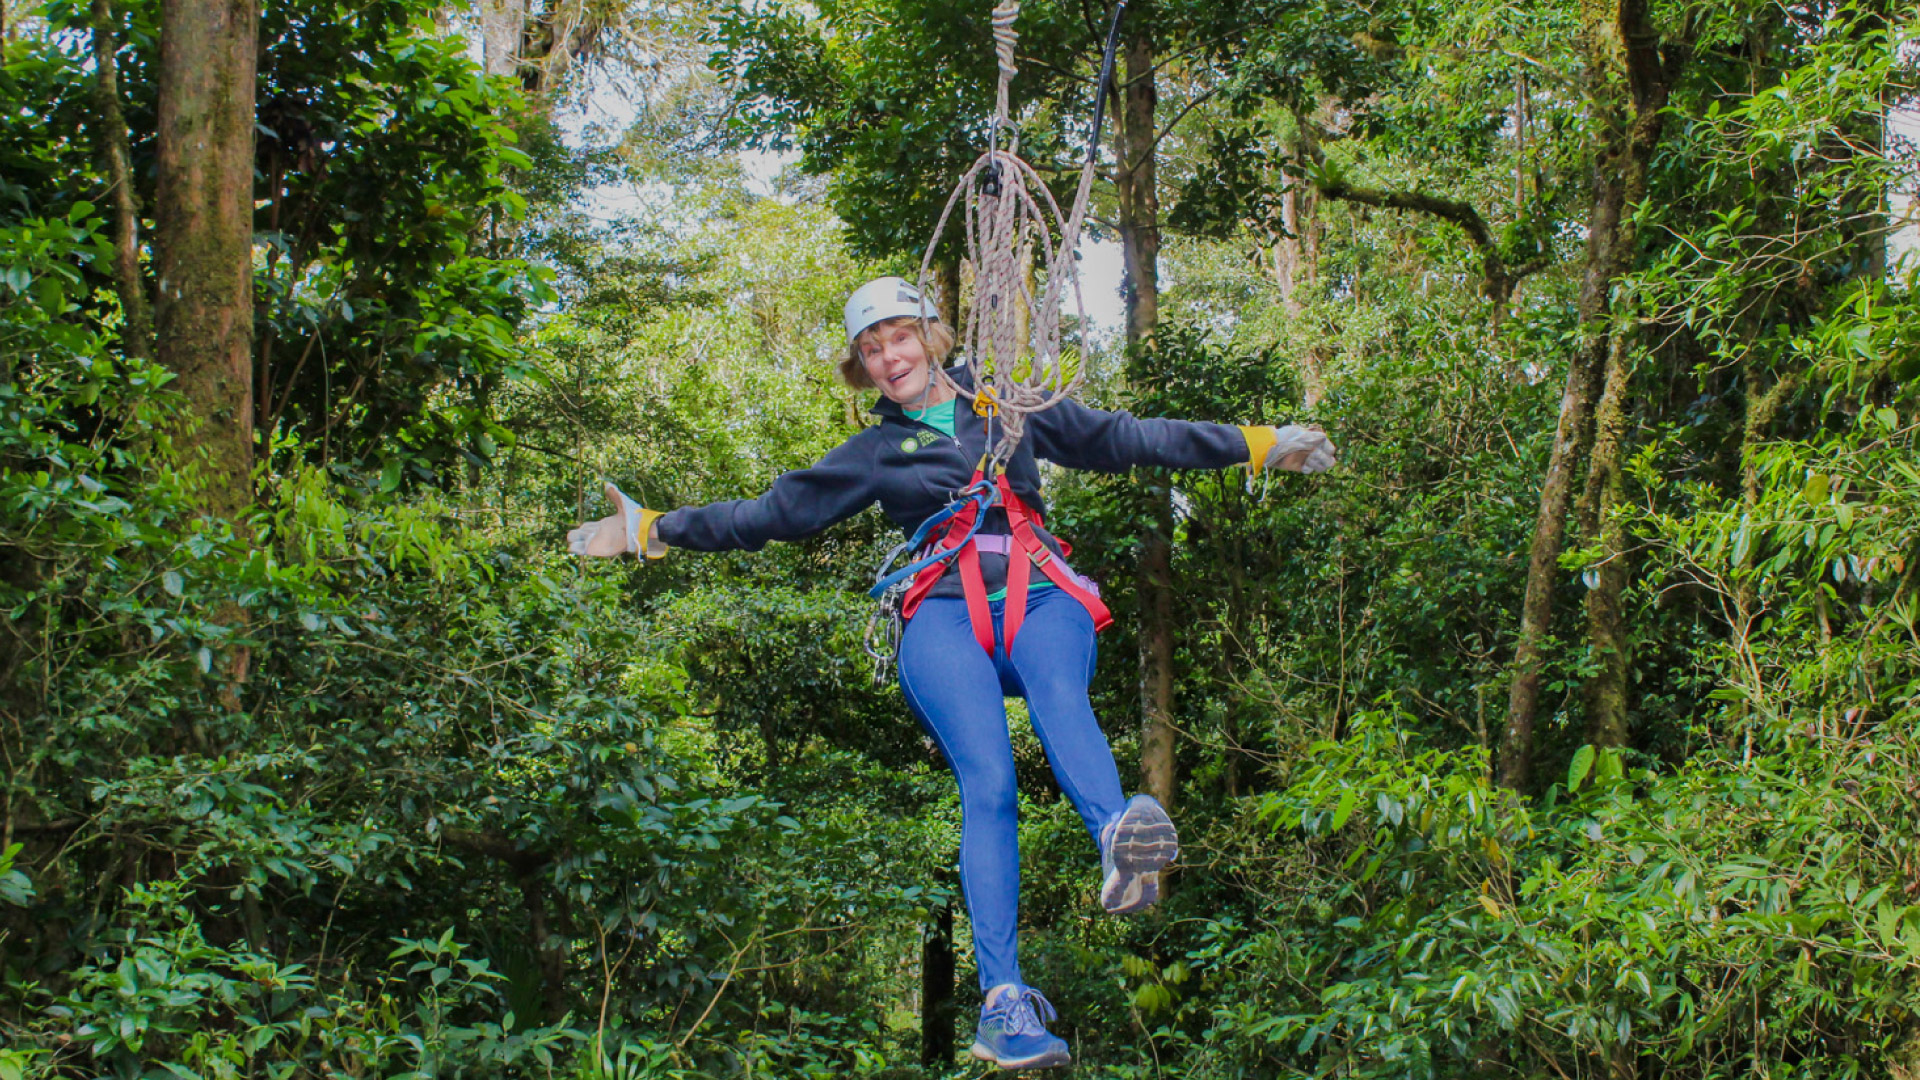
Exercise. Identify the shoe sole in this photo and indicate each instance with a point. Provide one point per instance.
(1052, 1059)
(1143, 842)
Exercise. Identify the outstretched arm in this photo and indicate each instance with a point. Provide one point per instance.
(1081, 437)
(799, 504)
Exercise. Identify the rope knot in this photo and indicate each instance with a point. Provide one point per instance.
(1005, 38)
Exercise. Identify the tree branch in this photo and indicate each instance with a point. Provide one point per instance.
(1459, 213)
(493, 845)
(1497, 277)
(1171, 124)
(116, 158)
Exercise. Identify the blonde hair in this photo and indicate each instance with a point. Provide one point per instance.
(935, 338)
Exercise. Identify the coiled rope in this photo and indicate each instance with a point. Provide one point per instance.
(1017, 369)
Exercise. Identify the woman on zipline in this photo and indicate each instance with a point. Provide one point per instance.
(975, 636)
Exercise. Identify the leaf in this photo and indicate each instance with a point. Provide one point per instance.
(1577, 769)
(1815, 490)
(1861, 338)
(173, 583)
(390, 476)
(1348, 800)
(1887, 923)
(1491, 905)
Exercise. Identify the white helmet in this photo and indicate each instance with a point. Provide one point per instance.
(882, 299)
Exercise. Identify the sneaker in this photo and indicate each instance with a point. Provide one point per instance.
(1012, 1034)
(1133, 848)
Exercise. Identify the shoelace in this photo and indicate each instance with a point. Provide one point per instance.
(1022, 1013)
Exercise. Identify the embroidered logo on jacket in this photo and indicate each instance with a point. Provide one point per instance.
(919, 440)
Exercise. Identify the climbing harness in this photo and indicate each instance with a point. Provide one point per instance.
(1012, 342)
(952, 537)
(963, 547)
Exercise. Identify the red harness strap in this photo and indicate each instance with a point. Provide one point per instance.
(1021, 518)
(971, 584)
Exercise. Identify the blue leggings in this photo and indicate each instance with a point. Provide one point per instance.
(958, 693)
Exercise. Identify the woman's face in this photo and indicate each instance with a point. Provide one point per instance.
(895, 359)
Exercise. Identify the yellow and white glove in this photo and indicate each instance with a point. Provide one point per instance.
(618, 533)
(1292, 448)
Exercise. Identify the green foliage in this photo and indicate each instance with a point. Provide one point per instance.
(852, 87)
(387, 307)
(434, 740)
(1727, 912)
(375, 781)
(169, 998)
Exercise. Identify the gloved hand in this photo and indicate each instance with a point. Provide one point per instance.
(1301, 449)
(619, 532)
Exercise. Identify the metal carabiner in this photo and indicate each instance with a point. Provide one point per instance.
(882, 637)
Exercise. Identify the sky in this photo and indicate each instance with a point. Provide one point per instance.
(1906, 242)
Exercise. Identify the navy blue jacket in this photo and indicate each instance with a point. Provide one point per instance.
(913, 471)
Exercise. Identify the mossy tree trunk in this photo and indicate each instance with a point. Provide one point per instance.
(1606, 627)
(203, 262)
(1628, 75)
(1649, 74)
(203, 238)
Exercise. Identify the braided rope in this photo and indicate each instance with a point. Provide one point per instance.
(1018, 370)
(1004, 40)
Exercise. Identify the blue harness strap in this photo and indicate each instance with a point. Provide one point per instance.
(979, 496)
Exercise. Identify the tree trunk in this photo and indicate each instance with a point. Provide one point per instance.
(936, 991)
(1140, 245)
(116, 160)
(1606, 627)
(502, 29)
(1606, 487)
(1761, 408)
(946, 284)
(1543, 559)
(203, 259)
(1296, 269)
(549, 955)
(203, 237)
(1622, 57)
(1138, 191)
(1157, 757)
